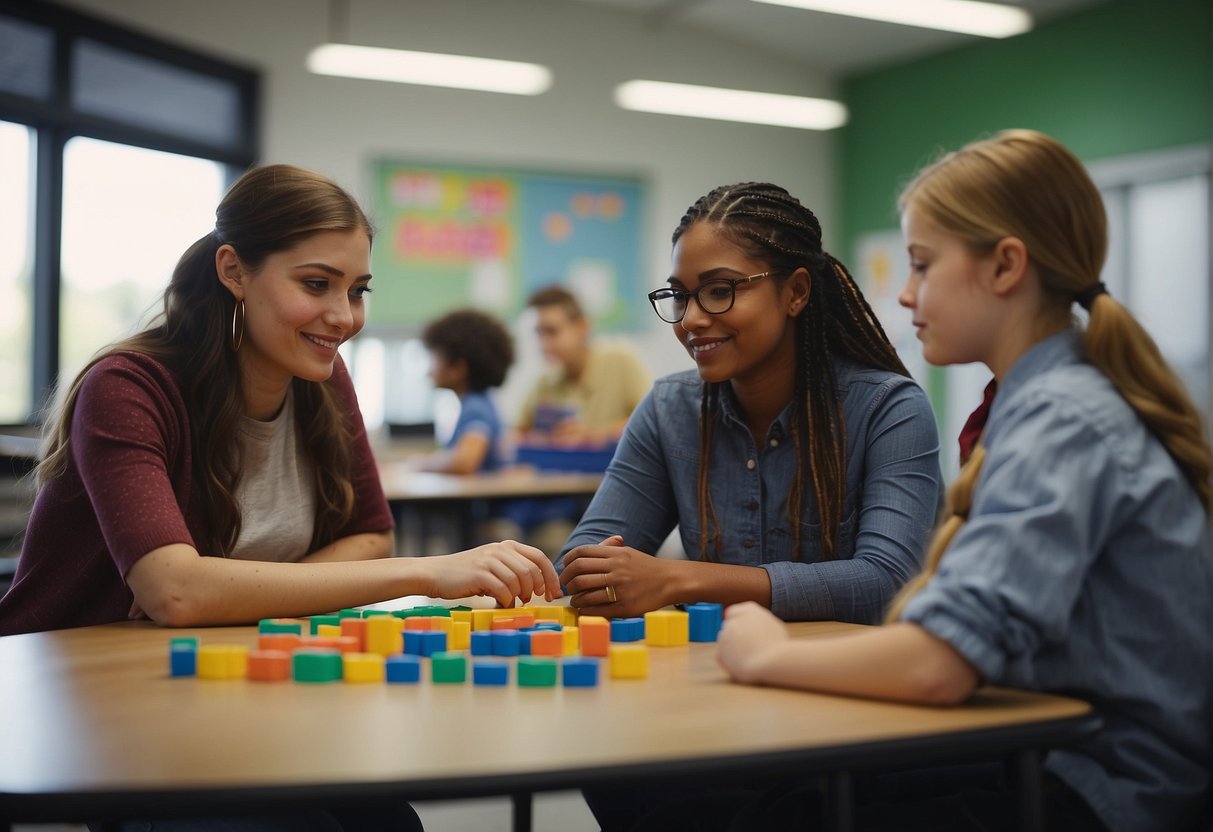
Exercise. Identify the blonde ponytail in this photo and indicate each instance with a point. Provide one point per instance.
(1118, 346)
(960, 500)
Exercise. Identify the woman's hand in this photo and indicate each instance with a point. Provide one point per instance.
(750, 637)
(593, 575)
(504, 571)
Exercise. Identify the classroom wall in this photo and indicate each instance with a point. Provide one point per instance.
(337, 126)
(1126, 77)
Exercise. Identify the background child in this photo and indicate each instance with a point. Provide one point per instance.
(1077, 558)
(470, 354)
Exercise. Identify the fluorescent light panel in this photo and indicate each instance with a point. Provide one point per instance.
(429, 68)
(991, 20)
(730, 105)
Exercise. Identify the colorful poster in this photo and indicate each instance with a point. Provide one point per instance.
(452, 236)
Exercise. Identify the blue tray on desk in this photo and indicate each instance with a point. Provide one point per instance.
(588, 460)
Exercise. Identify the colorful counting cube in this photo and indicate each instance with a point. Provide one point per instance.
(448, 668)
(328, 631)
(536, 672)
(363, 667)
(182, 659)
(433, 641)
(222, 661)
(546, 643)
(384, 635)
(595, 634)
(417, 622)
(459, 638)
(507, 643)
(570, 638)
(706, 620)
(402, 669)
(666, 628)
(280, 625)
(490, 672)
(355, 628)
(317, 620)
(483, 619)
(316, 665)
(375, 613)
(629, 661)
(269, 666)
(627, 629)
(555, 614)
(580, 673)
(287, 642)
(481, 643)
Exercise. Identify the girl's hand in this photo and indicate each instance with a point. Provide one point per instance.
(750, 638)
(595, 574)
(504, 571)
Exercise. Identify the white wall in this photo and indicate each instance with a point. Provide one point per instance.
(337, 126)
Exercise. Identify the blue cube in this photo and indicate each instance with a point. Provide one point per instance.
(412, 642)
(490, 672)
(183, 660)
(432, 641)
(507, 642)
(402, 669)
(627, 629)
(580, 672)
(482, 643)
(705, 621)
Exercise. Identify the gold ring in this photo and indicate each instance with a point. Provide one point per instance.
(610, 591)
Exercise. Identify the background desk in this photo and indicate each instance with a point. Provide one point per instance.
(95, 728)
(430, 505)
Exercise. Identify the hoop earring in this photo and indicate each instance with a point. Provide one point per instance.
(237, 325)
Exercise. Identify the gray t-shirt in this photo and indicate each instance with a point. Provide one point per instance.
(277, 494)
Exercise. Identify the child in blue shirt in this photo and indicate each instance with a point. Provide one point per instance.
(470, 353)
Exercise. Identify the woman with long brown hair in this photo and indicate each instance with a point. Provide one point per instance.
(214, 468)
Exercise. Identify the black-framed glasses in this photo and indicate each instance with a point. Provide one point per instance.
(714, 296)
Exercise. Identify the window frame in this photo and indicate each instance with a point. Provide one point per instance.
(55, 122)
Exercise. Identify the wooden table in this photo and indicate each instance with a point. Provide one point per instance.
(94, 728)
(427, 504)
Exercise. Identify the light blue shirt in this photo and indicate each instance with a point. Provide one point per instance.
(893, 492)
(1085, 569)
(478, 414)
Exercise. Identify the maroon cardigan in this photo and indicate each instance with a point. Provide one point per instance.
(127, 490)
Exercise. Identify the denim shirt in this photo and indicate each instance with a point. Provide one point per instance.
(893, 492)
(1085, 568)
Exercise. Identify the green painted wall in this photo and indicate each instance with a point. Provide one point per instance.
(1126, 77)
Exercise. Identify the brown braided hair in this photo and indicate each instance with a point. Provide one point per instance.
(771, 225)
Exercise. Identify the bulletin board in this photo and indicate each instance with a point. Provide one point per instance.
(455, 235)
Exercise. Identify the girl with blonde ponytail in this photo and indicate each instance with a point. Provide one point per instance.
(1076, 557)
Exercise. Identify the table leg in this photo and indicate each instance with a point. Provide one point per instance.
(1026, 777)
(522, 811)
(840, 801)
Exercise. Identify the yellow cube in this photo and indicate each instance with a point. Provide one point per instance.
(549, 614)
(362, 667)
(460, 636)
(384, 635)
(572, 640)
(441, 622)
(329, 631)
(462, 615)
(222, 661)
(629, 661)
(483, 619)
(667, 628)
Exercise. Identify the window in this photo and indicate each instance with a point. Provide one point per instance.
(16, 272)
(128, 214)
(114, 149)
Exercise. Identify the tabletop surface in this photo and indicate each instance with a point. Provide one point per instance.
(93, 710)
(402, 483)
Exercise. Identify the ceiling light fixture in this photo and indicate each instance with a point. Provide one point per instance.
(429, 68)
(991, 20)
(731, 105)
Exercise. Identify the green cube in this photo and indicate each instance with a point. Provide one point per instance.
(316, 665)
(448, 668)
(276, 626)
(350, 614)
(183, 643)
(536, 672)
(317, 620)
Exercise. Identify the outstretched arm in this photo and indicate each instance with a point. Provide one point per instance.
(898, 661)
(177, 587)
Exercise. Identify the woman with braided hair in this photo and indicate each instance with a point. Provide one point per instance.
(799, 461)
(1077, 557)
